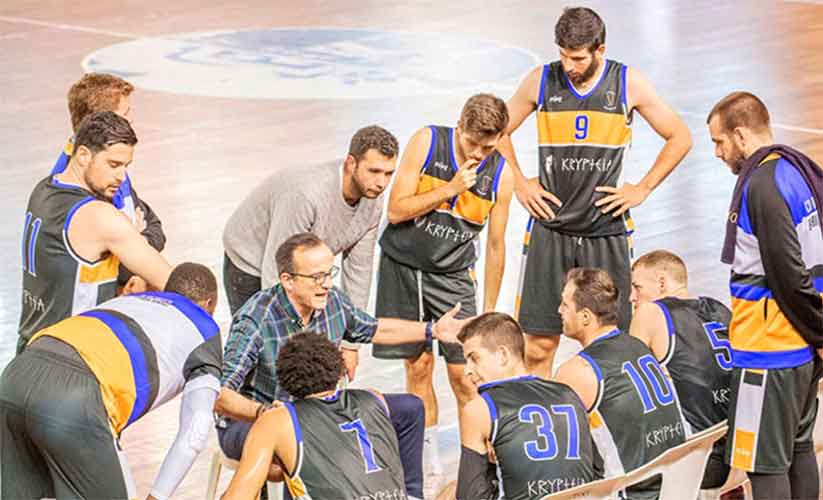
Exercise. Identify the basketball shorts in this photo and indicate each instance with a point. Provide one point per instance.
(407, 293)
(771, 416)
(547, 256)
(55, 439)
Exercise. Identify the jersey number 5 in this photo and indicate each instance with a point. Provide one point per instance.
(722, 347)
(366, 449)
(652, 375)
(29, 240)
(539, 416)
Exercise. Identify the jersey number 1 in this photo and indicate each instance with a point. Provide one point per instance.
(29, 240)
(366, 449)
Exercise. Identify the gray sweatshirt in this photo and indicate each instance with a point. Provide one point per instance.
(305, 199)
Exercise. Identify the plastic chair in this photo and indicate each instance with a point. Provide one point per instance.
(218, 461)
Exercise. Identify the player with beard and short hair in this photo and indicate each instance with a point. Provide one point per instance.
(74, 237)
(773, 244)
(584, 104)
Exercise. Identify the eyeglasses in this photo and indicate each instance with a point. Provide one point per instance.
(320, 278)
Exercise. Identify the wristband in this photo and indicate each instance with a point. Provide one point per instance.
(429, 332)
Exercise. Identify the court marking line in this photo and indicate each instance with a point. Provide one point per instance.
(133, 36)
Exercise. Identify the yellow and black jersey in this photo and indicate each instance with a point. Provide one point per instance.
(143, 349)
(56, 281)
(777, 273)
(444, 240)
(582, 139)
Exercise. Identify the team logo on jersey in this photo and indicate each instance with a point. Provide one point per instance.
(555, 99)
(484, 185)
(547, 164)
(440, 165)
(611, 100)
(314, 63)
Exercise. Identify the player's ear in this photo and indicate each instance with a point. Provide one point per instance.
(83, 156)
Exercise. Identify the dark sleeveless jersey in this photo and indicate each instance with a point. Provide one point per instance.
(582, 139)
(540, 435)
(58, 283)
(444, 240)
(636, 415)
(346, 449)
(699, 358)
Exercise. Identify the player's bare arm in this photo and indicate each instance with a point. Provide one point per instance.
(496, 241)
(98, 228)
(234, 405)
(649, 326)
(475, 425)
(579, 375)
(404, 202)
(642, 96)
(529, 192)
(266, 440)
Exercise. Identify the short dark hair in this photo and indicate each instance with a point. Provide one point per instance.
(579, 28)
(741, 109)
(373, 137)
(665, 261)
(284, 257)
(308, 363)
(495, 329)
(485, 115)
(194, 281)
(595, 291)
(98, 131)
(96, 92)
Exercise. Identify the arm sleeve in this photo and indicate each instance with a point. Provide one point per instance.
(290, 215)
(786, 274)
(196, 422)
(360, 325)
(154, 227)
(474, 480)
(358, 262)
(242, 351)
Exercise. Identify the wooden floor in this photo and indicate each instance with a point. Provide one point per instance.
(198, 155)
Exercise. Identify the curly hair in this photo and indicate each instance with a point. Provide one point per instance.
(307, 364)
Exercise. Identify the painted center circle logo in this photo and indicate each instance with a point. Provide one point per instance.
(314, 63)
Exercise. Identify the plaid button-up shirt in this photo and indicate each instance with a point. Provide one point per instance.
(261, 327)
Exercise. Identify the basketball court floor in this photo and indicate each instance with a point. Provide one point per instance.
(228, 92)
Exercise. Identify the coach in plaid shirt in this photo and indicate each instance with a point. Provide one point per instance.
(306, 300)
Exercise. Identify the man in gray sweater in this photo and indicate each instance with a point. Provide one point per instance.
(340, 203)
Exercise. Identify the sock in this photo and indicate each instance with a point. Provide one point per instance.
(431, 450)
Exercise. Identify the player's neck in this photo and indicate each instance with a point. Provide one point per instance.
(594, 332)
(71, 176)
(351, 195)
(681, 292)
(586, 86)
(322, 394)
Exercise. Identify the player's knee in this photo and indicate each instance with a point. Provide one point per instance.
(409, 408)
(463, 389)
(420, 369)
(540, 348)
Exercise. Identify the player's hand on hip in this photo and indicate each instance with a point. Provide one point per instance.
(139, 219)
(351, 359)
(618, 200)
(448, 326)
(532, 196)
(464, 178)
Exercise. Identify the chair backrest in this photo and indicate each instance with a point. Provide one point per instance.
(604, 489)
(682, 467)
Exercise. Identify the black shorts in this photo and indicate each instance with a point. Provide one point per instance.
(55, 439)
(547, 256)
(407, 293)
(771, 416)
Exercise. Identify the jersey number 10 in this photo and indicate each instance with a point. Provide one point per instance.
(650, 374)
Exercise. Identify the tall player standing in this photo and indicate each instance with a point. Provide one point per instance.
(584, 105)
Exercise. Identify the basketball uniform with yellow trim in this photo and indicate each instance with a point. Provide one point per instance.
(444, 240)
(775, 371)
(57, 282)
(636, 415)
(346, 449)
(582, 141)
